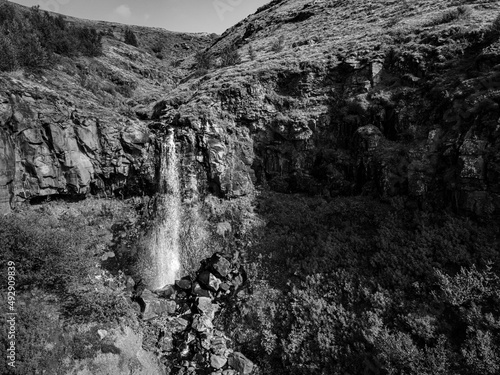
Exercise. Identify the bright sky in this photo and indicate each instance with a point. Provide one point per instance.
(213, 16)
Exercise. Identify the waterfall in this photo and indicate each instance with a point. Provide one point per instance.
(164, 243)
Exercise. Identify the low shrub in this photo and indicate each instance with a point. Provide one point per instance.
(251, 53)
(130, 38)
(461, 12)
(495, 26)
(229, 56)
(279, 44)
(204, 60)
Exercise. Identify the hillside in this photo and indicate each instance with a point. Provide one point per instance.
(55, 109)
(326, 174)
(324, 72)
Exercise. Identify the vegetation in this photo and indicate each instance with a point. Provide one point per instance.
(57, 256)
(204, 62)
(353, 286)
(279, 44)
(251, 53)
(229, 56)
(461, 12)
(32, 39)
(130, 38)
(495, 26)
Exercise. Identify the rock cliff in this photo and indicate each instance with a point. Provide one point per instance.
(382, 102)
(79, 127)
(347, 97)
(331, 97)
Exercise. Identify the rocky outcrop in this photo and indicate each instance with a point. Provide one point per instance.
(387, 120)
(186, 337)
(50, 146)
(326, 115)
(78, 127)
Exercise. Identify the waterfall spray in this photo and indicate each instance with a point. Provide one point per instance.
(164, 243)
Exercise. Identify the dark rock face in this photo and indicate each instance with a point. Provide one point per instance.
(358, 121)
(347, 143)
(49, 147)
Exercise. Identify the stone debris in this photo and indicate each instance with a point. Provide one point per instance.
(181, 317)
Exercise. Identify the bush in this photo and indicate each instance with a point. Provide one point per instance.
(90, 41)
(204, 60)
(495, 26)
(279, 44)
(229, 56)
(251, 53)
(461, 12)
(31, 38)
(8, 57)
(130, 38)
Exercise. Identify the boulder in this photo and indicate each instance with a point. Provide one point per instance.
(209, 281)
(367, 138)
(184, 284)
(202, 323)
(221, 265)
(200, 292)
(167, 291)
(224, 287)
(102, 333)
(206, 307)
(217, 361)
(218, 345)
(153, 306)
(240, 363)
(166, 343)
(178, 324)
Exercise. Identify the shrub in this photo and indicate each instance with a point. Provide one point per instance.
(8, 57)
(204, 60)
(157, 47)
(495, 26)
(229, 56)
(130, 38)
(279, 44)
(461, 12)
(251, 53)
(90, 41)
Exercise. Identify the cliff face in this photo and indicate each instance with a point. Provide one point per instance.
(79, 127)
(330, 98)
(352, 98)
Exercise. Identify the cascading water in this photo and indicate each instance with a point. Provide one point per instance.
(164, 243)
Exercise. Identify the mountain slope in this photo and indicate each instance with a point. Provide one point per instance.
(74, 125)
(349, 97)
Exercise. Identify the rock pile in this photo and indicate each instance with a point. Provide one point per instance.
(179, 321)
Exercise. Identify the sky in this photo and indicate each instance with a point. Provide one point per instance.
(212, 16)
